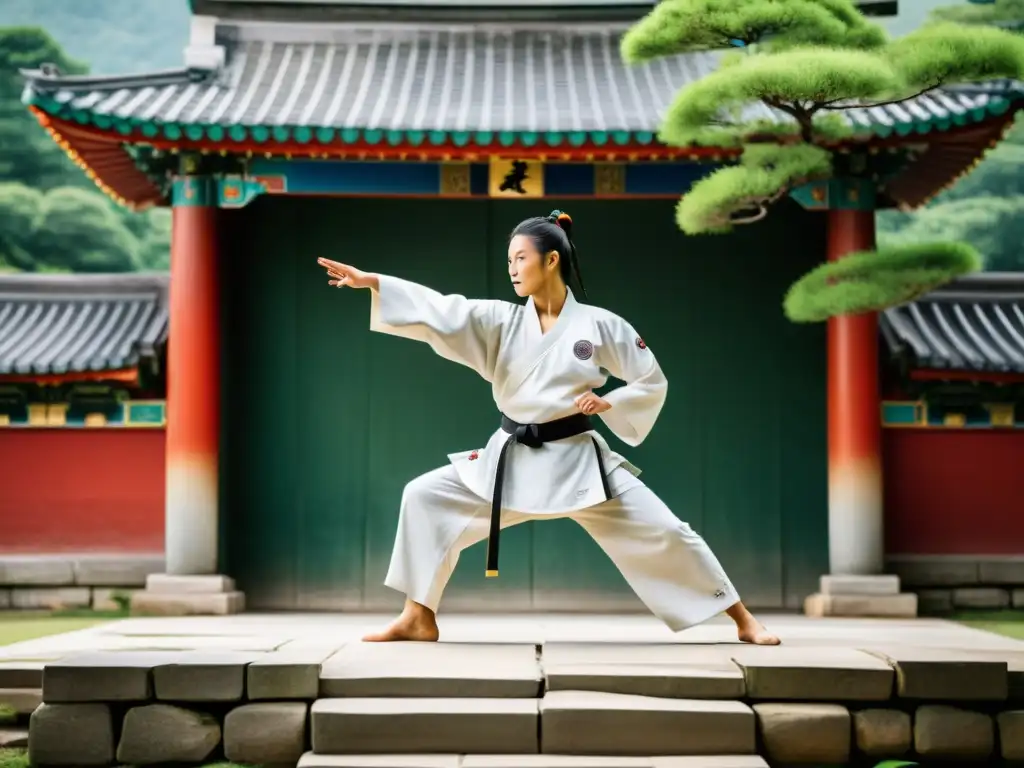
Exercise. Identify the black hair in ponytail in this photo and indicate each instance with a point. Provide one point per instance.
(554, 233)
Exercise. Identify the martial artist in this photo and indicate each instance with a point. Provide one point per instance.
(543, 359)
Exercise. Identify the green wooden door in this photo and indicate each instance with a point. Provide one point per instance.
(324, 422)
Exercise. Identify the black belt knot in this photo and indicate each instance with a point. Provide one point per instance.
(533, 436)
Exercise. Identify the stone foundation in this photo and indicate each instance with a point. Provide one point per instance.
(948, 583)
(61, 582)
(493, 705)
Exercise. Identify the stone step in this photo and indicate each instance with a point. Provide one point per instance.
(422, 725)
(313, 760)
(594, 723)
(432, 670)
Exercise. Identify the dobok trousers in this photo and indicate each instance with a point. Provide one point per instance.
(668, 565)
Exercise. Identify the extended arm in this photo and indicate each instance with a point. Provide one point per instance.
(466, 331)
(637, 404)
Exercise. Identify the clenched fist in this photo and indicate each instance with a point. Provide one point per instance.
(591, 404)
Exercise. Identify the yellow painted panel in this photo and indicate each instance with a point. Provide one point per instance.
(514, 178)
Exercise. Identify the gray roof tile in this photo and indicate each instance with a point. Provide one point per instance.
(59, 324)
(445, 78)
(973, 324)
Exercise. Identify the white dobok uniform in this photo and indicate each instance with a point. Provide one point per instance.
(535, 378)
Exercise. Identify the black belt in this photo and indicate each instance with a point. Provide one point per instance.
(533, 436)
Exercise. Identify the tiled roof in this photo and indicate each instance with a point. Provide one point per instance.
(60, 324)
(297, 81)
(973, 324)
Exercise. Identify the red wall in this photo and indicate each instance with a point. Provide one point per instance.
(954, 492)
(81, 490)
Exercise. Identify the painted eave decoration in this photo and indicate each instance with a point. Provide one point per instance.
(419, 92)
(56, 328)
(974, 325)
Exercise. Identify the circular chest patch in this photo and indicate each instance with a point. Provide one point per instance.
(640, 343)
(583, 350)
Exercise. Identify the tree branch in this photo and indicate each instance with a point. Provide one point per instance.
(922, 92)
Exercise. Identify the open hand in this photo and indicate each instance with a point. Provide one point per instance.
(591, 404)
(344, 275)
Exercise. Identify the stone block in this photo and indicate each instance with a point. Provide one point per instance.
(161, 733)
(313, 760)
(554, 761)
(450, 726)
(814, 674)
(934, 601)
(148, 603)
(901, 606)
(5, 598)
(432, 670)
(201, 676)
(103, 598)
(981, 597)
(21, 674)
(942, 732)
(115, 570)
(51, 598)
(13, 738)
(261, 734)
(1018, 598)
(679, 670)
(804, 733)
(101, 676)
(709, 761)
(883, 732)
(35, 570)
(71, 734)
(946, 675)
(1007, 571)
(1011, 735)
(659, 681)
(590, 723)
(935, 571)
(838, 584)
(22, 700)
(170, 584)
(286, 675)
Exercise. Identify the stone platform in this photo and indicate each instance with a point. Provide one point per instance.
(516, 692)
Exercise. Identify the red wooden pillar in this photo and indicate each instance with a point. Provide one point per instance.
(193, 383)
(855, 522)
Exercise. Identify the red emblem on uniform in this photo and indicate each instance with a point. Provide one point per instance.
(474, 456)
(640, 343)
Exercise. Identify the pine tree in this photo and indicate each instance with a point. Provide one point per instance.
(802, 62)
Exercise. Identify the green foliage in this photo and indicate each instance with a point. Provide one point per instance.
(677, 26)
(14, 758)
(8, 714)
(713, 204)
(990, 13)
(874, 280)
(953, 53)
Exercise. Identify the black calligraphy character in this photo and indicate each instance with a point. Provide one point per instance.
(514, 179)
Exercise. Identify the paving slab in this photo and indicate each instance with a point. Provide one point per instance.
(710, 761)
(286, 675)
(554, 761)
(101, 677)
(814, 674)
(420, 725)
(432, 670)
(945, 675)
(313, 760)
(198, 676)
(593, 723)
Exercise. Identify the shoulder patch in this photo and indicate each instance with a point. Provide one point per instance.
(640, 343)
(583, 349)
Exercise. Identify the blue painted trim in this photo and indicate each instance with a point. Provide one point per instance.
(194, 191)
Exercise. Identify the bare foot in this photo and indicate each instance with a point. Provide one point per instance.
(416, 623)
(754, 632)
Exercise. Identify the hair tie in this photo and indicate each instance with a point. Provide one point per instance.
(560, 218)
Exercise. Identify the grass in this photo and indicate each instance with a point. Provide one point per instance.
(1009, 623)
(16, 626)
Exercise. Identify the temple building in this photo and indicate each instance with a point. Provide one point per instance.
(409, 138)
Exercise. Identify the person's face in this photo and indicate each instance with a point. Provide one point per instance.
(528, 269)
